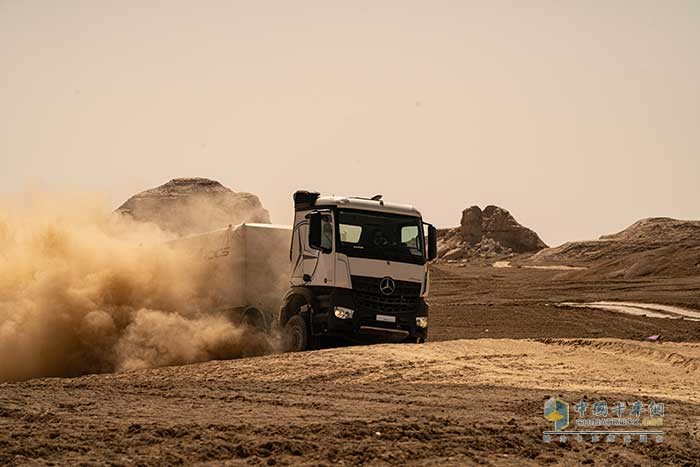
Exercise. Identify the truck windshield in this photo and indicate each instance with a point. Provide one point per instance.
(380, 236)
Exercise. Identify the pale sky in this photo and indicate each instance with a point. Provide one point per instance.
(579, 117)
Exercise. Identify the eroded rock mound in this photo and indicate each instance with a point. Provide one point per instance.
(657, 246)
(187, 206)
(499, 225)
(487, 233)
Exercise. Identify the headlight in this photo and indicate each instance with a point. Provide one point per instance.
(422, 321)
(343, 313)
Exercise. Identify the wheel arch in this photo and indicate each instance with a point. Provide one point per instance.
(293, 302)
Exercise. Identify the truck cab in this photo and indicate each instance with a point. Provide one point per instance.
(358, 269)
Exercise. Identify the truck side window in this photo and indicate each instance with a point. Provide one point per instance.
(326, 233)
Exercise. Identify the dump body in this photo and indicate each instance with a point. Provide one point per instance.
(266, 268)
(246, 266)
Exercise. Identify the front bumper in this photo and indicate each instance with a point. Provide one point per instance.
(364, 322)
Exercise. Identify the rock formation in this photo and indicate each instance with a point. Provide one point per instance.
(187, 206)
(497, 224)
(488, 233)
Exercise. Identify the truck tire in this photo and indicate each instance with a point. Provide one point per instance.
(296, 334)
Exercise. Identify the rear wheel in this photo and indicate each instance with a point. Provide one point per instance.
(253, 320)
(296, 334)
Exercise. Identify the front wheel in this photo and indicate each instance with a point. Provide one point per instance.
(296, 334)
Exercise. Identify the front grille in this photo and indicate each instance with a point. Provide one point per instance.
(368, 296)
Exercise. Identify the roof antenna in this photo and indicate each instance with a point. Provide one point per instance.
(376, 197)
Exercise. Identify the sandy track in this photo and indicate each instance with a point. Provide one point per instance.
(457, 402)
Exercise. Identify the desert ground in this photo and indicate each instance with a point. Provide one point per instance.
(499, 347)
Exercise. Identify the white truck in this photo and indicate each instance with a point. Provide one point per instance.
(349, 267)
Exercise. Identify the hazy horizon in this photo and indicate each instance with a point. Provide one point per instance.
(578, 118)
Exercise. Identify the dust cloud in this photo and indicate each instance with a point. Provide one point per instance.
(83, 290)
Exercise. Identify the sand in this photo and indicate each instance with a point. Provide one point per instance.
(472, 395)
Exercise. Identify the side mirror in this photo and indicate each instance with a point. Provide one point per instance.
(432, 243)
(315, 230)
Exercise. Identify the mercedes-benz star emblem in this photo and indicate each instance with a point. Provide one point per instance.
(387, 286)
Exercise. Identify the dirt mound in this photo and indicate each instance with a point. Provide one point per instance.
(658, 230)
(187, 206)
(486, 234)
(658, 246)
(678, 260)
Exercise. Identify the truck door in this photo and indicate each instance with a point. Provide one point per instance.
(311, 265)
(322, 271)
